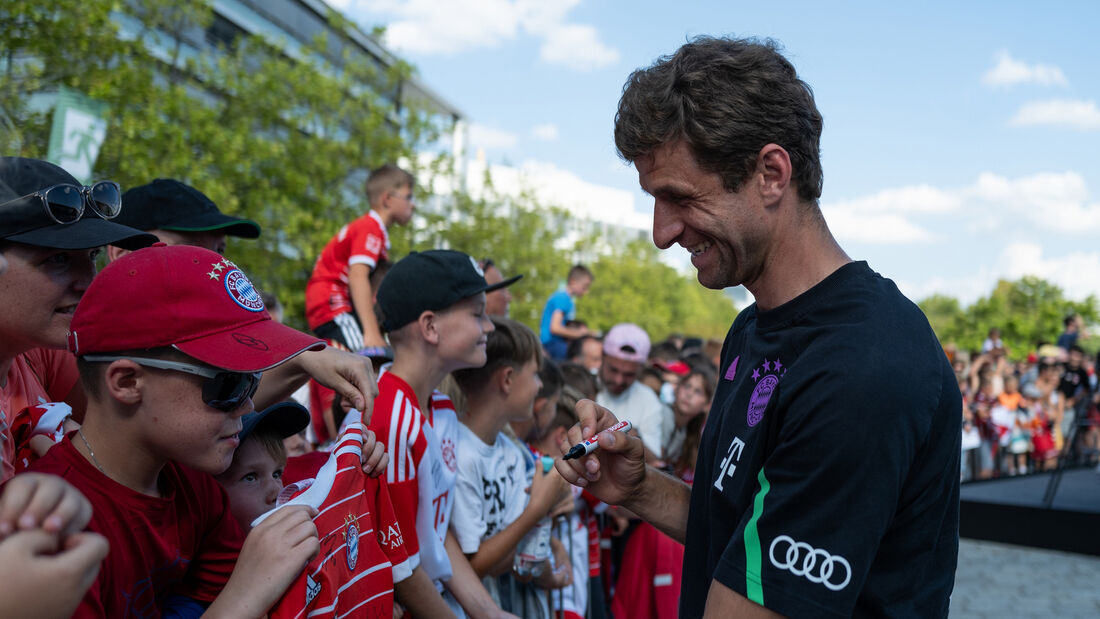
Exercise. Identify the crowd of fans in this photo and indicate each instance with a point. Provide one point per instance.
(163, 453)
(1029, 415)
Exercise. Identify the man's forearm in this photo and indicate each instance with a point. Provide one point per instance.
(662, 501)
(465, 585)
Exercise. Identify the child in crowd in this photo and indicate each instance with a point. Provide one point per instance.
(692, 401)
(555, 333)
(492, 512)
(170, 344)
(432, 306)
(340, 291)
(254, 479)
(571, 528)
(362, 550)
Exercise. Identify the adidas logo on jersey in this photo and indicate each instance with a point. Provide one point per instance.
(312, 589)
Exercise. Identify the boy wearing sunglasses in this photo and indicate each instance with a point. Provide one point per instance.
(171, 343)
(51, 229)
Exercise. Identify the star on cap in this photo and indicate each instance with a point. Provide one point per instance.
(214, 274)
(217, 266)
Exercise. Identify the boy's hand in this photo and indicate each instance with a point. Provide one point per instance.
(613, 473)
(375, 459)
(273, 555)
(37, 500)
(546, 490)
(40, 577)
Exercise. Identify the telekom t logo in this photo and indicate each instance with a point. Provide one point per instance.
(729, 463)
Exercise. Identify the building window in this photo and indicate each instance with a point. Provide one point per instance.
(223, 33)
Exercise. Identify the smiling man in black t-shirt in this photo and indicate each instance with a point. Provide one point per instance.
(827, 480)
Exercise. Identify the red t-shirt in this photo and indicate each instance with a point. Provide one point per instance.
(362, 548)
(185, 543)
(363, 241)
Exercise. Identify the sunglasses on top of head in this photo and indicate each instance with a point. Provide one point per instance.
(65, 203)
(223, 390)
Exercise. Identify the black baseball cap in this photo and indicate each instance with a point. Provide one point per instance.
(30, 224)
(169, 204)
(430, 281)
(285, 418)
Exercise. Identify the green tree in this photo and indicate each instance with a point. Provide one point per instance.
(633, 285)
(270, 132)
(1027, 311)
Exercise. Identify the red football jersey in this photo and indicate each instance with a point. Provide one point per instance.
(363, 241)
(47, 420)
(184, 543)
(362, 548)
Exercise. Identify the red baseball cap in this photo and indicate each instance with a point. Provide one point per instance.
(186, 297)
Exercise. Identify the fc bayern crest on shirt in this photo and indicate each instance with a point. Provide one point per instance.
(351, 540)
(767, 379)
(242, 291)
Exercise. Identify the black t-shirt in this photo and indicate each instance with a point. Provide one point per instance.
(1072, 380)
(827, 482)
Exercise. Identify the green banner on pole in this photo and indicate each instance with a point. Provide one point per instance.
(79, 128)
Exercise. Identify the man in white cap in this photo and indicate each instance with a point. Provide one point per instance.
(625, 350)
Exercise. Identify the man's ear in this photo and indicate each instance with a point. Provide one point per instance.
(774, 170)
(125, 381)
(429, 327)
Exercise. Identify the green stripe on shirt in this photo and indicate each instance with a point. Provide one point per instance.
(754, 576)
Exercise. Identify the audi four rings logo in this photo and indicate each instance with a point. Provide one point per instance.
(818, 566)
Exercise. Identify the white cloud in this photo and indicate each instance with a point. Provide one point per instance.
(454, 26)
(547, 132)
(1067, 113)
(577, 47)
(1050, 202)
(482, 136)
(1009, 71)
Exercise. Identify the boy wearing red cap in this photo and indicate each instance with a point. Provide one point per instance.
(170, 343)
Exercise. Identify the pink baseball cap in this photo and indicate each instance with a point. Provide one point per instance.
(627, 341)
(186, 297)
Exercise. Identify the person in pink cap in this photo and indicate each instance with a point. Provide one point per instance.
(625, 352)
(171, 343)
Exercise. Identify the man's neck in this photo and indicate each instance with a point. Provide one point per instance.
(485, 418)
(799, 260)
(117, 453)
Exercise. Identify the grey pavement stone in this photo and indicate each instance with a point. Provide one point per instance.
(999, 580)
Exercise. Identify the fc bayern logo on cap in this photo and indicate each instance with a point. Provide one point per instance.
(242, 291)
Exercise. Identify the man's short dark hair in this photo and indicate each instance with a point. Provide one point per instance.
(384, 179)
(727, 99)
(576, 346)
(578, 271)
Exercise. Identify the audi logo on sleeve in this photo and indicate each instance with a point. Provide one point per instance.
(816, 565)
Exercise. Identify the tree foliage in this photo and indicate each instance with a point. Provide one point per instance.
(271, 130)
(281, 138)
(1027, 311)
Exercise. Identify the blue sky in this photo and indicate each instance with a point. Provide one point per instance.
(959, 141)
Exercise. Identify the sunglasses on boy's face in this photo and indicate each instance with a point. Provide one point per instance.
(65, 203)
(225, 391)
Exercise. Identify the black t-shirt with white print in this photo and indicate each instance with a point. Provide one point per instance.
(827, 482)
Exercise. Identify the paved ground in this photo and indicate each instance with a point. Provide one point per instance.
(998, 580)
